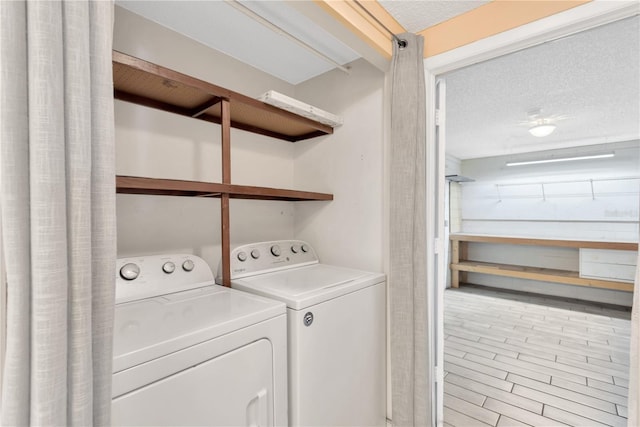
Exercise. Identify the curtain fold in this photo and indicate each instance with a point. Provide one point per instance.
(57, 171)
(634, 358)
(410, 373)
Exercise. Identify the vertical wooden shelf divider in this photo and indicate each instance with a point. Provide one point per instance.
(224, 200)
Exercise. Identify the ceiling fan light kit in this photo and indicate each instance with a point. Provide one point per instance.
(543, 129)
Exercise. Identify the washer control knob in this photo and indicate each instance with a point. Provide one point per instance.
(242, 256)
(168, 267)
(295, 249)
(275, 250)
(304, 248)
(129, 271)
(255, 254)
(188, 265)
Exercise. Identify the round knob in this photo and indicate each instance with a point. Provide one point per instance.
(255, 254)
(129, 271)
(242, 256)
(275, 250)
(168, 267)
(188, 265)
(304, 248)
(295, 249)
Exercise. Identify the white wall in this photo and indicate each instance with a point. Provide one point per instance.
(157, 144)
(552, 200)
(510, 200)
(350, 164)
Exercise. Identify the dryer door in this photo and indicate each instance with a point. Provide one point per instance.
(233, 389)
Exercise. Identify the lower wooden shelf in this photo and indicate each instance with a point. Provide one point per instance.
(535, 273)
(174, 187)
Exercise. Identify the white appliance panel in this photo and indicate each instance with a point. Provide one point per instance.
(337, 364)
(233, 389)
(154, 327)
(305, 286)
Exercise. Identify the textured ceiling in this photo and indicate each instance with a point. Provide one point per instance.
(592, 77)
(415, 16)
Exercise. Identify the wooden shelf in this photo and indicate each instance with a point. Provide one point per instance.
(174, 187)
(535, 273)
(154, 86)
(479, 238)
(461, 265)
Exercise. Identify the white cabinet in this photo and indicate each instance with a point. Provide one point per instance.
(606, 264)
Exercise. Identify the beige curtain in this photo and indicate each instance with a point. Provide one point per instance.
(634, 365)
(410, 372)
(57, 210)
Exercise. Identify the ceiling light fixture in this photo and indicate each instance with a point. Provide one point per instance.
(542, 129)
(561, 159)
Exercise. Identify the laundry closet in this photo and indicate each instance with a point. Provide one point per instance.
(203, 168)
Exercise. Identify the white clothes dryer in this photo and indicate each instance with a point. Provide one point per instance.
(188, 352)
(336, 329)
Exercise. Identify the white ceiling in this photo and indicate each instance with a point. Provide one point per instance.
(415, 16)
(592, 77)
(224, 28)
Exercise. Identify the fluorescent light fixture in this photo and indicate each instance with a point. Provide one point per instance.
(561, 159)
(542, 130)
(300, 108)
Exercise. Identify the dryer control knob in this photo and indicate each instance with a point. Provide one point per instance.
(168, 267)
(295, 249)
(304, 248)
(255, 254)
(129, 271)
(188, 265)
(275, 250)
(242, 256)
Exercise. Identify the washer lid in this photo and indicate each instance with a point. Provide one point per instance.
(151, 328)
(305, 286)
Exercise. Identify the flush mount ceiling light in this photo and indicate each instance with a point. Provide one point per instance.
(561, 159)
(543, 129)
(540, 124)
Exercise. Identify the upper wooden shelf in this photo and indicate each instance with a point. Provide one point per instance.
(480, 238)
(154, 86)
(174, 187)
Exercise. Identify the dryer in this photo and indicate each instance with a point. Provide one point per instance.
(336, 320)
(190, 352)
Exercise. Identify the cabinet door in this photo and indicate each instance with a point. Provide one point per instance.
(233, 389)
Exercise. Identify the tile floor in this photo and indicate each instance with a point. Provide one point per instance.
(517, 359)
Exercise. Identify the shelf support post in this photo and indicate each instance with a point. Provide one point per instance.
(224, 198)
(455, 259)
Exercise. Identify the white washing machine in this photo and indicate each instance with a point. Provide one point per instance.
(189, 352)
(336, 329)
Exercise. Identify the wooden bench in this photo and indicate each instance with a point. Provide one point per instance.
(461, 265)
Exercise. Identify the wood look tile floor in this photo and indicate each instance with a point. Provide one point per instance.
(517, 359)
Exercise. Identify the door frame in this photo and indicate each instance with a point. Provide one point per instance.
(580, 18)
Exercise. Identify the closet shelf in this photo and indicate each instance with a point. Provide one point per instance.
(537, 273)
(154, 86)
(174, 187)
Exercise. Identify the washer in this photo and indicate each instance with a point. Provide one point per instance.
(190, 352)
(336, 329)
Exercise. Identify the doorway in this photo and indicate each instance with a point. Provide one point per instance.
(528, 194)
